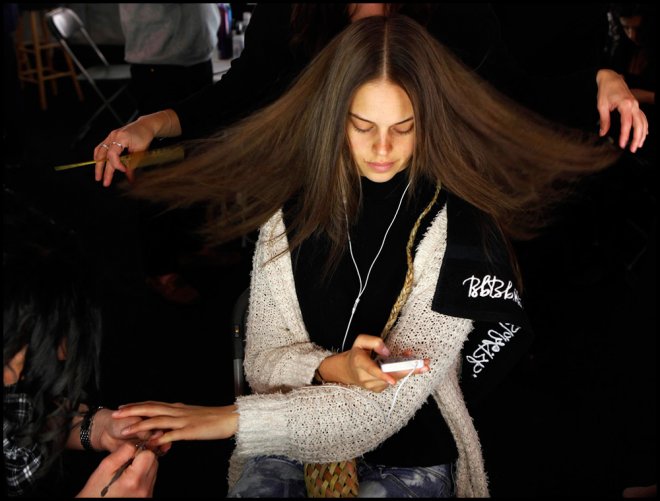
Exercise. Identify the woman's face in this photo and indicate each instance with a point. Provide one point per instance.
(381, 130)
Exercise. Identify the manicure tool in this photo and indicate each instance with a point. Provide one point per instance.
(140, 446)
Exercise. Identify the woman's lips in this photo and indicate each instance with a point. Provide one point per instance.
(380, 166)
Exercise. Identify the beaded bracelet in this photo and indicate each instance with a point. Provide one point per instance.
(86, 428)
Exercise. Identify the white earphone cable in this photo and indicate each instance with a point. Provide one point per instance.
(366, 280)
(396, 394)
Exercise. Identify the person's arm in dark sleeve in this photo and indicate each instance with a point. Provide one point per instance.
(257, 77)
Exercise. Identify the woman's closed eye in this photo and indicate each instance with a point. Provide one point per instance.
(399, 131)
(405, 131)
(362, 130)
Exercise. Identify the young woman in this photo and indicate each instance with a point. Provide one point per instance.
(385, 183)
(51, 343)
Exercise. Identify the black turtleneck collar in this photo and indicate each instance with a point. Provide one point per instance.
(381, 191)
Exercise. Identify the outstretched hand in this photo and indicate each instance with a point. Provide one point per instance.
(179, 421)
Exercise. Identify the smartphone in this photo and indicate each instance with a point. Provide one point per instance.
(395, 364)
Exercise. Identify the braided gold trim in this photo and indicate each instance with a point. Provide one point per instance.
(410, 273)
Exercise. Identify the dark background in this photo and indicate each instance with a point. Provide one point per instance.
(576, 418)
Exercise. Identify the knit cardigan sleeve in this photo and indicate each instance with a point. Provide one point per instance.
(278, 353)
(333, 422)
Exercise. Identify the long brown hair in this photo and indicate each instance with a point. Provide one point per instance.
(481, 146)
(314, 24)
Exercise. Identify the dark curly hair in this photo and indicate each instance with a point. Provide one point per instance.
(48, 305)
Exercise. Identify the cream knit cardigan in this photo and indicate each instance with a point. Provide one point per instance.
(287, 416)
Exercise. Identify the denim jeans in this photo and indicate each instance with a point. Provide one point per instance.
(280, 477)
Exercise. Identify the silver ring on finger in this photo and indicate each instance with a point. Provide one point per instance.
(105, 146)
(118, 144)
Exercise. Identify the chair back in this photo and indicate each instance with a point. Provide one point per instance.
(64, 23)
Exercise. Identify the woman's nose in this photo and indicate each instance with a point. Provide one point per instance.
(383, 145)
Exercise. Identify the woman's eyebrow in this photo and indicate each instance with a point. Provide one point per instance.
(365, 120)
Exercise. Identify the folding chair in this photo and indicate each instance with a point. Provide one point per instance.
(64, 24)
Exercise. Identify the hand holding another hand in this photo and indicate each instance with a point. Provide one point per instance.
(178, 421)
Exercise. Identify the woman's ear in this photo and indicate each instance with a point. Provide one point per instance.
(11, 372)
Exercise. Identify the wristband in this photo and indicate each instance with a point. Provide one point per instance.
(318, 379)
(86, 428)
